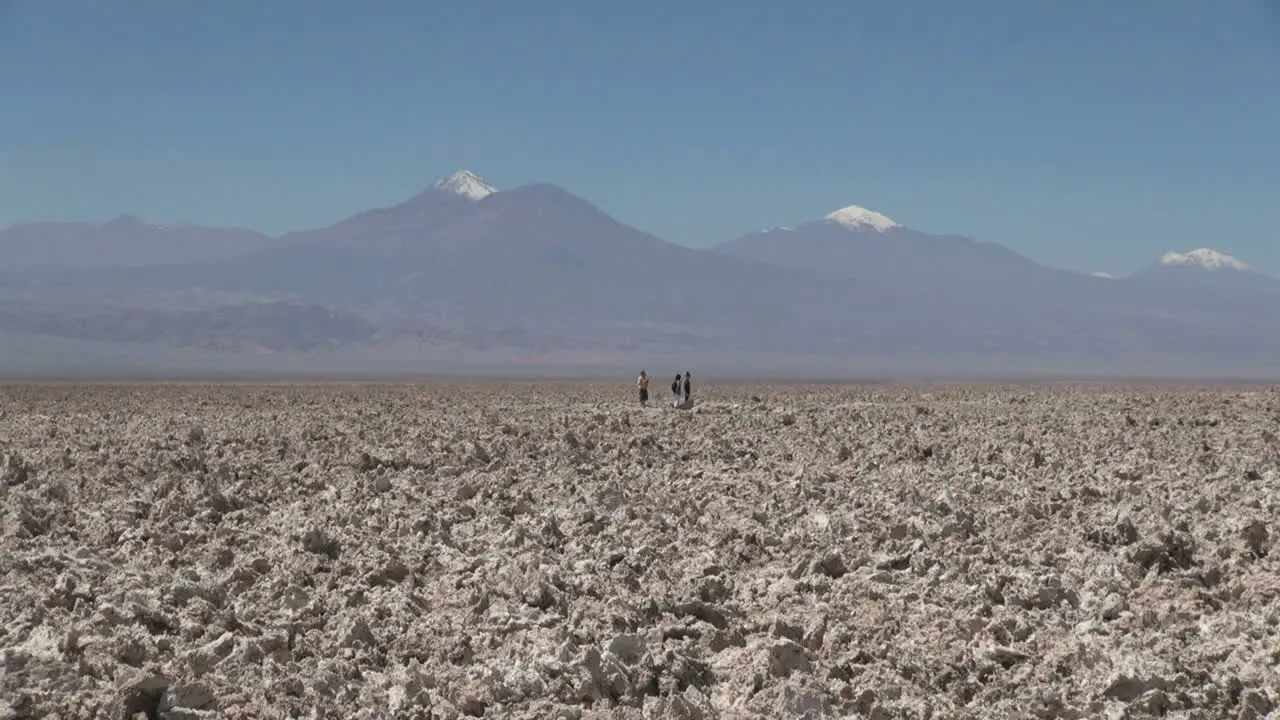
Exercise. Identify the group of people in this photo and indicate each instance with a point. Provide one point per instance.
(680, 389)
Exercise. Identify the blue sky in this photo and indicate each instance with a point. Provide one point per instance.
(1093, 134)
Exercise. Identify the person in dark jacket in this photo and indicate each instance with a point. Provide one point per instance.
(687, 395)
(675, 390)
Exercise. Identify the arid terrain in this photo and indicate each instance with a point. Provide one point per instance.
(556, 551)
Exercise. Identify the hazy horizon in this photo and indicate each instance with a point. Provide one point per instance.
(933, 191)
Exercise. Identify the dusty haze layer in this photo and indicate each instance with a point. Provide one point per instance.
(541, 551)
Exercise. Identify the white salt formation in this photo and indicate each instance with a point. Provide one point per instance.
(543, 552)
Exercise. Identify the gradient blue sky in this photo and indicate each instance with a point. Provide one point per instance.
(1091, 134)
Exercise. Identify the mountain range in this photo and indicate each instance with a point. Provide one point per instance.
(535, 280)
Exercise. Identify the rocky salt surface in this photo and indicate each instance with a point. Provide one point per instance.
(554, 551)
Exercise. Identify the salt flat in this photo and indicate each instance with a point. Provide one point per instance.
(543, 551)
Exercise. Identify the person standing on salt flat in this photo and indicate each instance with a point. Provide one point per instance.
(642, 382)
(675, 391)
(684, 400)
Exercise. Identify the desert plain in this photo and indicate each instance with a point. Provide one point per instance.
(553, 550)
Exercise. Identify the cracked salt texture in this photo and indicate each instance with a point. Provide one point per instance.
(522, 551)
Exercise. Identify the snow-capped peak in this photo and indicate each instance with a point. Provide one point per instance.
(466, 184)
(1103, 274)
(1205, 258)
(859, 217)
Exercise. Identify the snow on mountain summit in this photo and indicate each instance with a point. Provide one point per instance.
(1205, 258)
(466, 184)
(858, 218)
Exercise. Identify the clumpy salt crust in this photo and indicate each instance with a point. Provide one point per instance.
(553, 551)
